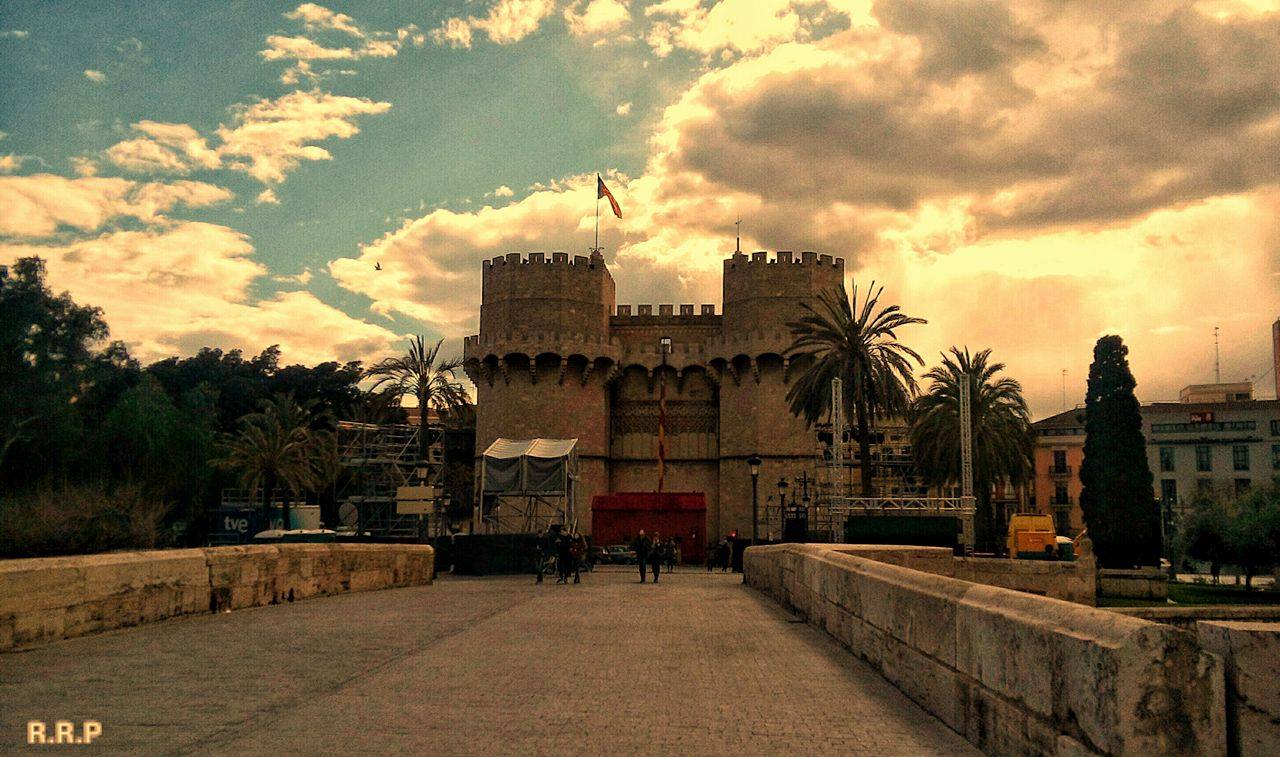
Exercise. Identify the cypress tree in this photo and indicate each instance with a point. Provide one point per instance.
(1118, 498)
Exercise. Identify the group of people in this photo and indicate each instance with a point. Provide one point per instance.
(570, 552)
(653, 552)
(720, 554)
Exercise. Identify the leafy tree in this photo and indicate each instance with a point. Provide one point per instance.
(859, 345)
(52, 374)
(1117, 499)
(276, 446)
(421, 373)
(240, 385)
(1204, 536)
(1253, 534)
(1001, 429)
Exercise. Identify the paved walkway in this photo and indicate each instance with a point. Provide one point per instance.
(697, 665)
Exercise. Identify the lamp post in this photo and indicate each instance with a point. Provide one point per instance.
(754, 463)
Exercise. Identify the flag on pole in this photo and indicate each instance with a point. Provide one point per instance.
(603, 191)
(662, 430)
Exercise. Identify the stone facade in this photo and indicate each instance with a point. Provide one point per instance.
(557, 357)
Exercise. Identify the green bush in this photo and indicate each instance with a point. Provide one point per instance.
(82, 519)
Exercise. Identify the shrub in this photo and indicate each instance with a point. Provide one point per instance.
(82, 519)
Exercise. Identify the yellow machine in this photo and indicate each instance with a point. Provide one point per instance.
(1032, 537)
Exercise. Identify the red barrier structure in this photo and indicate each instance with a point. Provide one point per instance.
(617, 518)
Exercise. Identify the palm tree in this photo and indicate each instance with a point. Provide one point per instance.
(422, 374)
(837, 339)
(275, 446)
(1001, 428)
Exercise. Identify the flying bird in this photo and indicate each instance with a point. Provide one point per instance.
(377, 266)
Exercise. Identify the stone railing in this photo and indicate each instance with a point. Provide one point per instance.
(1012, 672)
(1071, 581)
(46, 599)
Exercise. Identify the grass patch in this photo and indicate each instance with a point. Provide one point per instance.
(1189, 595)
(1208, 594)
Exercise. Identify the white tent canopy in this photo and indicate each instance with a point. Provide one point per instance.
(529, 466)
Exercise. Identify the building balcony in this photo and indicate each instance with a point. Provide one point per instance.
(1059, 470)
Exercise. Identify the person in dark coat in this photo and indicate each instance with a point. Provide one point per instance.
(564, 558)
(656, 556)
(643, 545)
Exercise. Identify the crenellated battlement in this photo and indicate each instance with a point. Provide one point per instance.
(665, 311)
(513, 261)
(782, 258)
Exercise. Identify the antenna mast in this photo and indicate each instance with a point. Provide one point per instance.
(966, 439)
(737, 245)
(1217, 363)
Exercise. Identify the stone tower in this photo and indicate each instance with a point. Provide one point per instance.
(761, 296)
(552, 359)
(544, 331)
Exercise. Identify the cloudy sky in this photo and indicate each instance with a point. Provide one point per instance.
(1026, 175)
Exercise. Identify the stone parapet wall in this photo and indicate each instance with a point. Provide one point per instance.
(1012, 672)
(1186, 616)
(1143, 583)
(1251, 653)
(1069, 581)
(46, 599)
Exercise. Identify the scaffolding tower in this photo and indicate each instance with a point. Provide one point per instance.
(382, 461)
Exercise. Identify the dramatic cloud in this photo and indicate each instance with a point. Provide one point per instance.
(266, 139)
(1027, 176)
(10, 163)
(177, 289)
(319, 17)
(508, 21)
(271, 137)
(304, 50)
(594, 18)
(41, 204)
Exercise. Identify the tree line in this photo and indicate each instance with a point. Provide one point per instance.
(100, 452)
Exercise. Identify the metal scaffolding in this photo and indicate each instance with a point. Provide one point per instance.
(380, 461)
(897, 489)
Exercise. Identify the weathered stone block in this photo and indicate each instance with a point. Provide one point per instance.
(1251, 655)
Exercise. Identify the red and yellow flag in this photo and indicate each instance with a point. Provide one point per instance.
(603, 191)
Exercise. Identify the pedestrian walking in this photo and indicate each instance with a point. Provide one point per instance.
(577, 551)
(564, 558)
(655, 557)
(642, 546)
(669, 554)
(726, 555)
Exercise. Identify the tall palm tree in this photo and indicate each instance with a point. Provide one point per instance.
(1001, 428)
(423, 374)
(858, 345)
(276, 446)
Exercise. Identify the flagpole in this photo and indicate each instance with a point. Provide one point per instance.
(597, 247)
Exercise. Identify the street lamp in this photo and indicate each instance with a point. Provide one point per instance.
(754, 463)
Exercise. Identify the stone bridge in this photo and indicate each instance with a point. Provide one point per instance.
(697, 664)
(840, 649)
